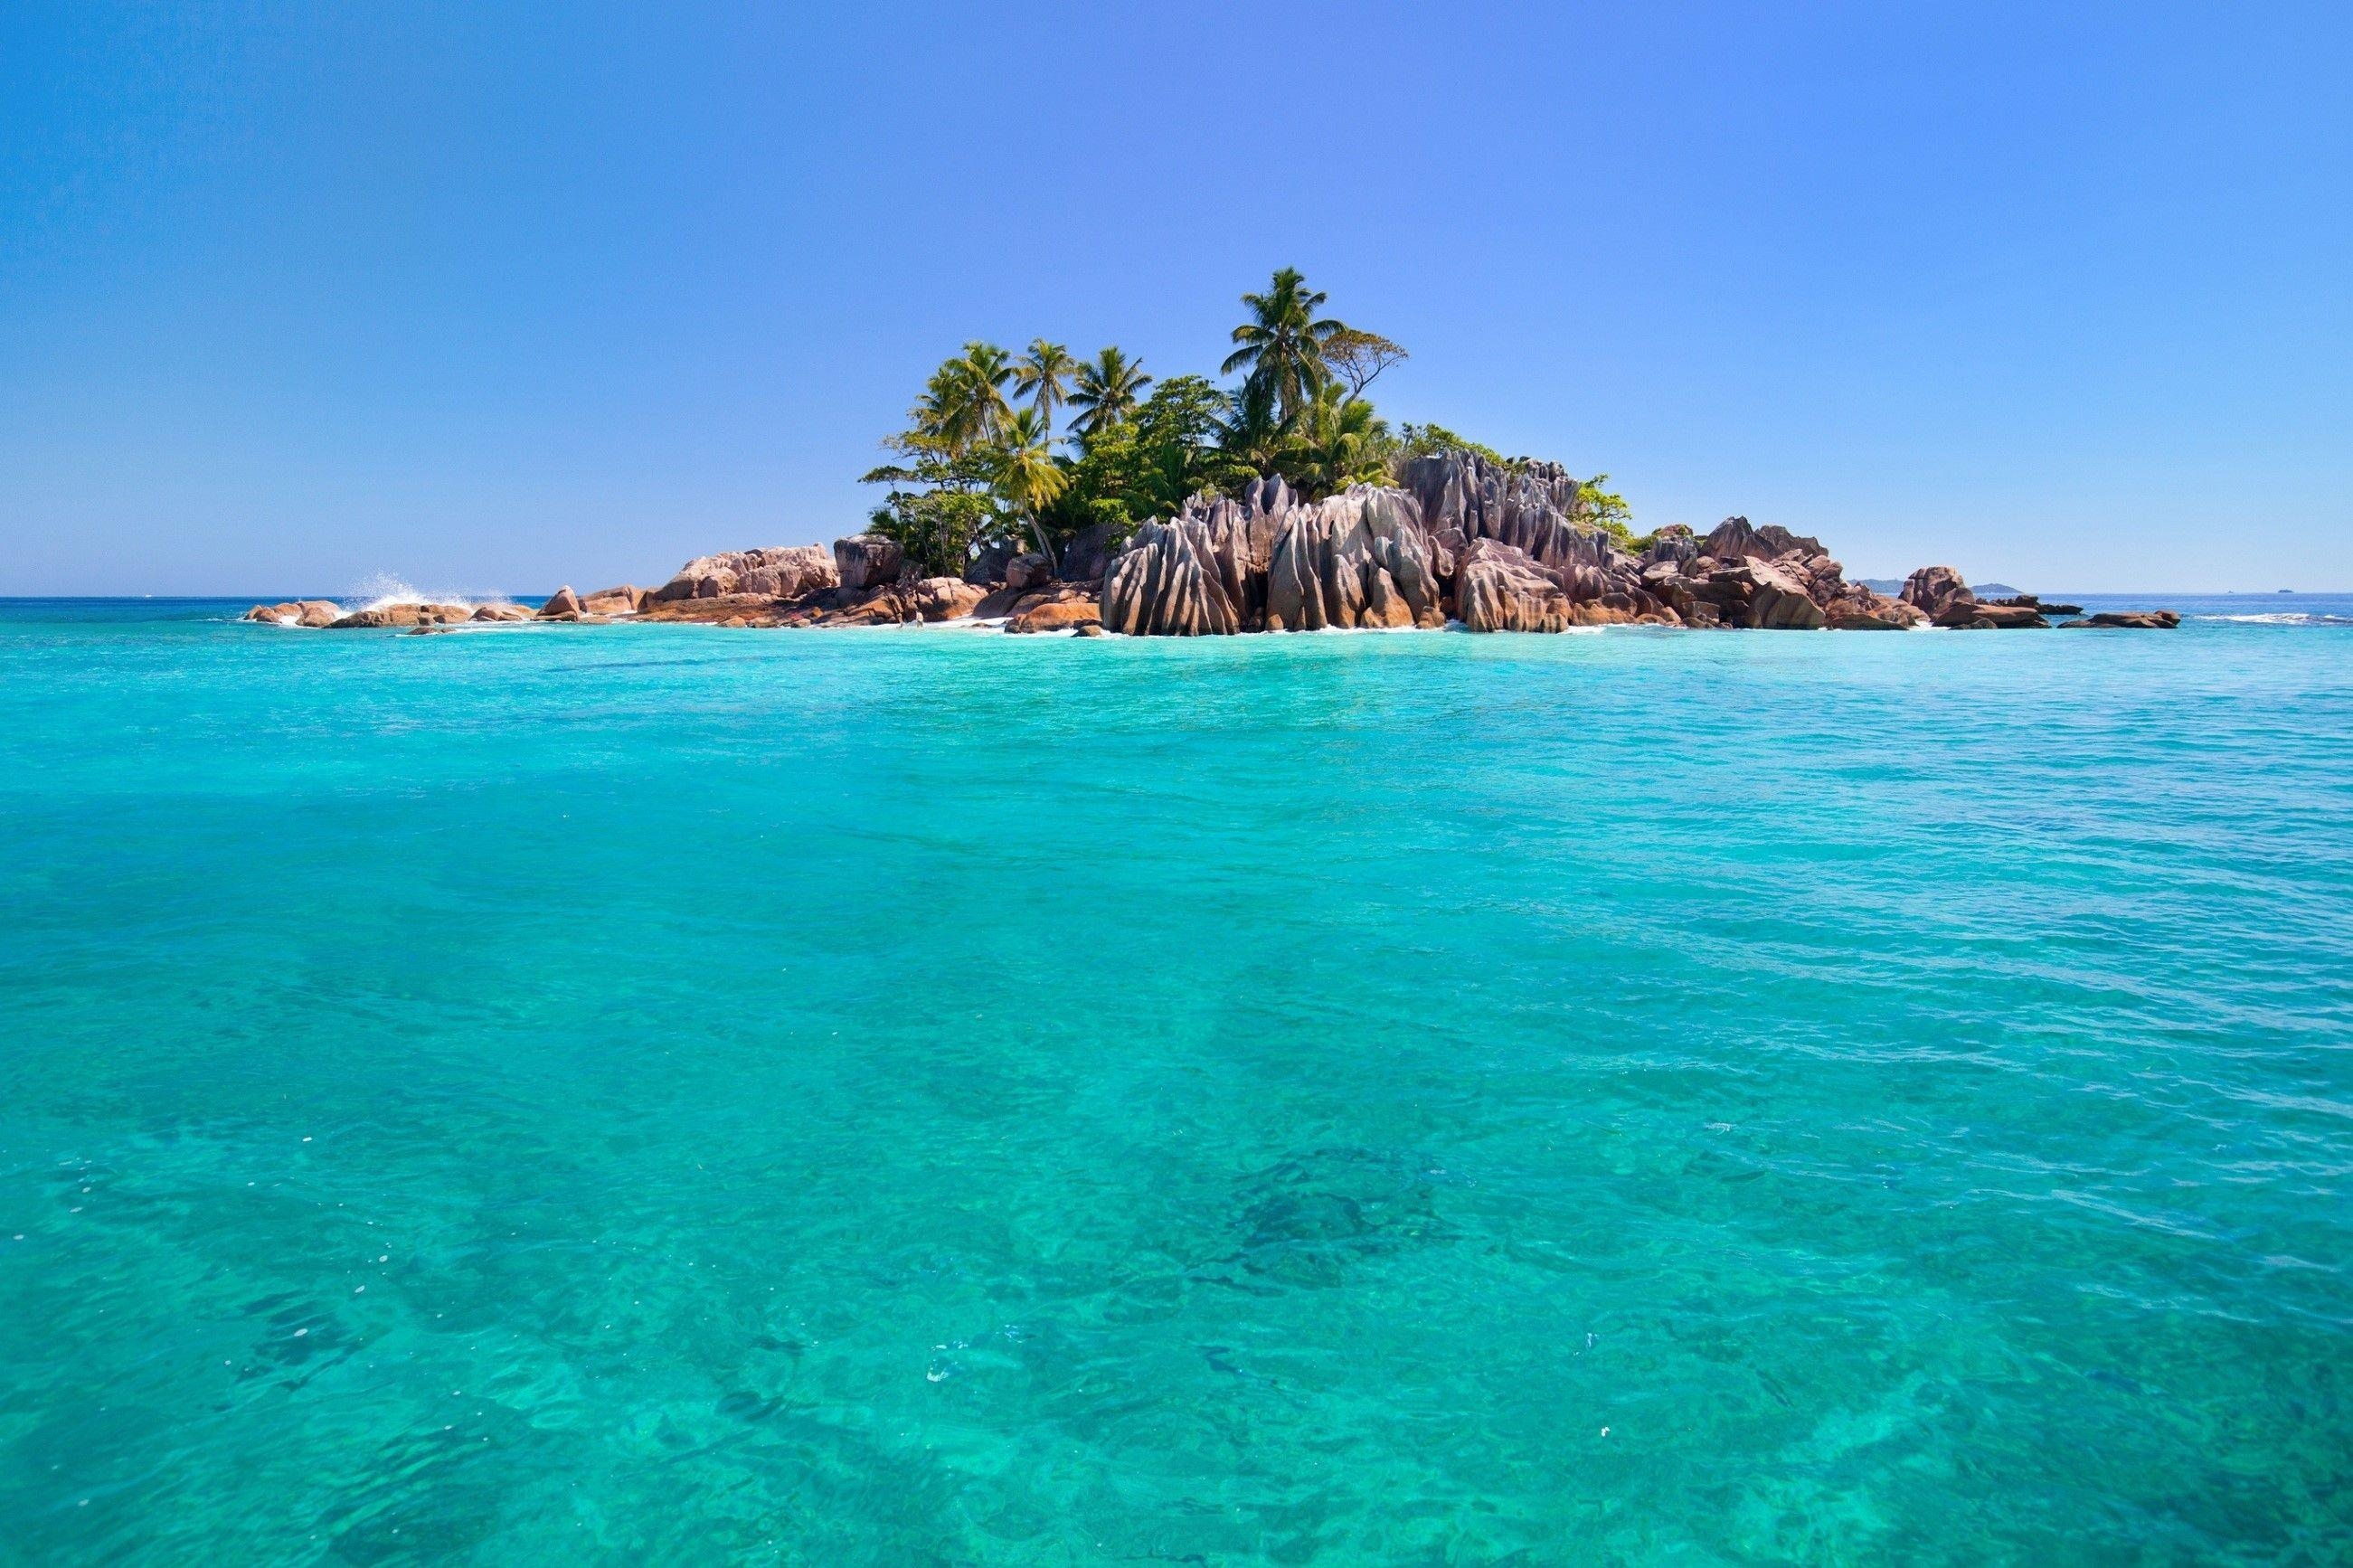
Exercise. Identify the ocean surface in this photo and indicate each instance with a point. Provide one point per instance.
(673, 1095)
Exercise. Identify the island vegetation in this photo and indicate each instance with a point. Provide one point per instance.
(1039, 492)
(1031, 450)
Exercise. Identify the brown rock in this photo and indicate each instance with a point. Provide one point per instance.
(1028, 570)
(999, 602)
(621, 601)
(1500, 588)
(704, 612)
(2132, 620)
(1934, 589)
(1058, 612)
(943, 598)
(867, 560)
(1969, 614)
(775, 571)
(297, 613)
(562, 601)
(500, 611)
(403, 615)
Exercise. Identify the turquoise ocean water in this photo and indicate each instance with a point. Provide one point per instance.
(668, 1095)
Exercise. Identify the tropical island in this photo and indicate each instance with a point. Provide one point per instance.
(1177, 506)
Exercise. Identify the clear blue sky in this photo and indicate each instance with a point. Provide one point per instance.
(492, 296)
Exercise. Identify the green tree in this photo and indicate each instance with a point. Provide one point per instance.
(1357, 357)
(1281, 345)
(1028, 477)
(964, 402)
(1254, 432)
(1426, 440)
(1041, 374)
(1338, 442)
(1597, 507)
(1106, 391)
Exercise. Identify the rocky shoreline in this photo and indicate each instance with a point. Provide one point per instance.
(1457, 539)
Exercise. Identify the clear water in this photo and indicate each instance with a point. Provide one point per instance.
(677, 1095)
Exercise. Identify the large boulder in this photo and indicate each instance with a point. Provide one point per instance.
(1031, 569)
(1501, 588)
(562, 601)
(1776, 599)
(987, 568)
(1167, 582)
(405, 615)
(1861, 609)
(1936, 589)
(942, 599)
(867, 560)
(1976, 615)
(313, 613)
(499, 610)
(1361, 558)
(1087, 558)
(2132, 620)
(780, 572)
(621, 601)
(1735, 540)
(1059, 609)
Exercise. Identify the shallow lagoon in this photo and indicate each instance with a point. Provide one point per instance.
(685, 1095)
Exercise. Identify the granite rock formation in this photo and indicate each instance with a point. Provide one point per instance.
(774, 573)
(297, 613)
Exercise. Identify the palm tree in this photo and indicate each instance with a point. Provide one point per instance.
(1253, 430)
(1282, 343)
(964, 403)
(1107, 391)
(1027, 474)
(1040, 376)
(1340, 442)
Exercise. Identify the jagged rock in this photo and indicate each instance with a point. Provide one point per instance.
(942, 598)
(562, 601)
(1735, 540)
(1501, 588)
(1028, 570)
(1361, 558)
(1675, 544)
(1267, 562)
(502, 612)
(2132, 620)
(1167, 582)
(311, 613)
(866, 561)
(1861, 609)
(1529, 506)
(987, 568)
(1087, 558)
(1935, 588)
(1775, 600)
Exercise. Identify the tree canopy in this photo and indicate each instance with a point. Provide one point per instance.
(979, 462)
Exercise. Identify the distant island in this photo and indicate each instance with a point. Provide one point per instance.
(1283, 504)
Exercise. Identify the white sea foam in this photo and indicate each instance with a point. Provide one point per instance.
(2282, 619)
(385, 589)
